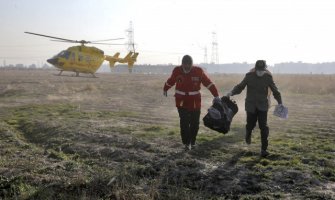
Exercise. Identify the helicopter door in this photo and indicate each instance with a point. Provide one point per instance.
(80, 57)
(88, 60)
(72, 57)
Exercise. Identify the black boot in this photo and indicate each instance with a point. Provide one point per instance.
(248, 136)
(264, 153)
(264, 140)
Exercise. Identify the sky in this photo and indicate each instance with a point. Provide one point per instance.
(165, 30)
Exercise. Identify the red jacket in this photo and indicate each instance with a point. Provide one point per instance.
(187, 92)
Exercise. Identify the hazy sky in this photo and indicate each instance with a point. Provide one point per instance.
(165, 30)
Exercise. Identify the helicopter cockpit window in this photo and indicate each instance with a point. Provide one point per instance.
(64, 54)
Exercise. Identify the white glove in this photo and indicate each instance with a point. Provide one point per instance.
(165, 93)
(216, 100)
(229, 94)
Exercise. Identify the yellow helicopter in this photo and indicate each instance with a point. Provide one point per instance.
(84, 59)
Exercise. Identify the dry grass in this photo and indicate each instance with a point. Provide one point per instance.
(117, 137)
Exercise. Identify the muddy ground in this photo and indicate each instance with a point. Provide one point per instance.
(117, 137)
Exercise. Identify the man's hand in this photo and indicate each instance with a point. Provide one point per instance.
(165, 93)
(216, 100)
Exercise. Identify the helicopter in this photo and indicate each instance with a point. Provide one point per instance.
(86, 59)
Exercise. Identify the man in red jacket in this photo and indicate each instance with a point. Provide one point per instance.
(188, 80)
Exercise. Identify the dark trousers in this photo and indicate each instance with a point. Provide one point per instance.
(261, 117)
(189, 125)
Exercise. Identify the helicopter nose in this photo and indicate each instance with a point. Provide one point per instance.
(53, 61)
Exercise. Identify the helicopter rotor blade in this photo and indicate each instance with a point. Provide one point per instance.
(68, 40)
(86, 42)
(108, 40)
(64, 41)
(57, 39)
(105, 43)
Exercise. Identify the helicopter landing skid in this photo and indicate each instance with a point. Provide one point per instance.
(75, 75)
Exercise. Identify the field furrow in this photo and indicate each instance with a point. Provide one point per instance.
(117, 137)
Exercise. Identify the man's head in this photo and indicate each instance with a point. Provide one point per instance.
(260, 65)
(187, 63)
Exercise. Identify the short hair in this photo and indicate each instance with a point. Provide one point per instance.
(187, 60)
(260, 65)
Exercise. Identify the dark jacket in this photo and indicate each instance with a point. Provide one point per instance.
(257, 91)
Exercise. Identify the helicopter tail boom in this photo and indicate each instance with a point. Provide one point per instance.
(113, 59)
(130, 59)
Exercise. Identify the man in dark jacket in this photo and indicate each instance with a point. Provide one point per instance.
(258, 82)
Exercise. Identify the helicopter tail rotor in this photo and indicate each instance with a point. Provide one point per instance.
(130, 58)
(133, 59)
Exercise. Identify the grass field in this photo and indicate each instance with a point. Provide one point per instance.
(117, 137)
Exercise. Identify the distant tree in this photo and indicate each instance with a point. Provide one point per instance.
(32, 66)
(19, 66)
(45, 66)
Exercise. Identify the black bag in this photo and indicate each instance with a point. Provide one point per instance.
(220, 115)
